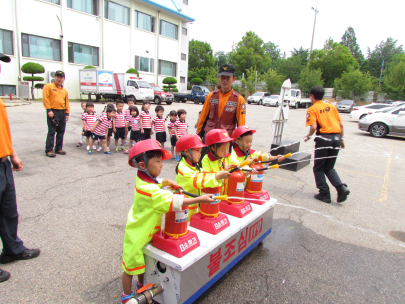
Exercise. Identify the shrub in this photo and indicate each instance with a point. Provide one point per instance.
(196, 81)
(40, 85)
(189, 87)
(132, 71)
(33, 68)
(170, 81)
(89, 67)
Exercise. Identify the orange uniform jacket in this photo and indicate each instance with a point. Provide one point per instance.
(5, 137)
(55, 98)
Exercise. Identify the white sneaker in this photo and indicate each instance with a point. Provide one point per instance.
(94, 147)
(88, 148)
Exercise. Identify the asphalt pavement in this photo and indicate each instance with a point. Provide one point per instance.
(74, 209)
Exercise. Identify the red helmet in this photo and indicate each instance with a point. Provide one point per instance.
(217, 136)
(189, 142)
(145, 146)
(239, 131)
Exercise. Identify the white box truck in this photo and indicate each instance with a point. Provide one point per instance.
(295, 101)
(109, 85)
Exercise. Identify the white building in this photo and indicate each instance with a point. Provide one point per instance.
(67, 35)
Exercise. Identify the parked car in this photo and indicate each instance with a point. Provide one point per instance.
(390, 121)
(271, 100)
(161, 95)
(197, 94)
(345, 105)
(258, 97)
(359, 112)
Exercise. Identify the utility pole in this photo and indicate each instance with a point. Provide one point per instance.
(313, 31)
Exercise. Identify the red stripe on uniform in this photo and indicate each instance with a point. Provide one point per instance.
(181, 173)
(143, 192)
(195, 181)
(133, 269)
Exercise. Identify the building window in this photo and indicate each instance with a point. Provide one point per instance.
(144, 64)
(184, 57)
(167, 68)
(54, 1)
(87, 6)
(144, 22)
(168, 29)
(116, 12)
(185, 2)
(184, 31)
(6, 42)
(79, 53)
(7, 89)
(182, 79)
(40, 47)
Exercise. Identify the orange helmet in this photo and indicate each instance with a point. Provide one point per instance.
(145, 146)
(217, 136)
(239, 131)
(189, 141)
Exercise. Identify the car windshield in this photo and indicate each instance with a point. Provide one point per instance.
(345, 102)
(258, 94)
(144, 84)
(390, 109)
(157, 89)
(206, 90)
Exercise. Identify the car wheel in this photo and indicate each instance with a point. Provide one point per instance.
(168, 103)
(378, 129)
(184, 100)
(362, 116)
(176, 99)
(248, 102)
(196, 100)
(306, 105)
(260, 102)
(157, 100)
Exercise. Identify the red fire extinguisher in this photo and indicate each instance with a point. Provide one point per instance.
(236, 186)
(176, 222)
(255, 181)
(210, 210)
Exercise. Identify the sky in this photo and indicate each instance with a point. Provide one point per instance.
(289, 23)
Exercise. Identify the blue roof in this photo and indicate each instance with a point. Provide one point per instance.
(171, 6)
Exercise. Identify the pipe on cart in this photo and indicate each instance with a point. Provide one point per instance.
(146, 296)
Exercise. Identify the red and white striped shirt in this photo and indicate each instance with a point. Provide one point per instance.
(127, 114)
(159, 124)
(102, 126)
(182, 127)
(90, 120)
(134, 121)
(105, 116)
(146, 120)
(83, 114)
(171, 126)
(119, 120)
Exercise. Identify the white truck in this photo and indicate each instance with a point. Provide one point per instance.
(109, 85)
(295, 101)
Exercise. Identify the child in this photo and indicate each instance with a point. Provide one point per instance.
(89, 119)
(242, 138)
(145, 121)
(109, 134)
(218, 157)
(127, 113)
(100, 129)
(134, 125)
(180, 126)
(119, 125)
(170, 128)
(80, 143)
(189, 175)
(159, 125)
(150, 202)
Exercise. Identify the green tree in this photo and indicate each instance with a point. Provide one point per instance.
(350, 41)
(291, 68)
(303, 53)
(249, 52)
(199, 55)
(170, 84)
(253, 77)
(309, 79)
(394, 80)
(273, 50)
(353, 84)
(32, 68)
(273, 81)
(132, 71)
(212, 77)
(383, 51)
(333, 60)
(196, 81)
(198, 73)
(221, 57)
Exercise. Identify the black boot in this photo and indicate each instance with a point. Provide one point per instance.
(4, 275)
(343, 192)
(323, 197)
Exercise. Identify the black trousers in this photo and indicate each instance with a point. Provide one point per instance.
(8, 212)
(325, 167)
(59, 130)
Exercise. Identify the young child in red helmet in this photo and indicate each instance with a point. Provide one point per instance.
(188, 173)
(150, 202)
(242, 138)
(218, 158)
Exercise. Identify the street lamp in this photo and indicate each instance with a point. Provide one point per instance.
(313, 31)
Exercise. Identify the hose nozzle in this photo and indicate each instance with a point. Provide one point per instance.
(288, 155)
(274, 166)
